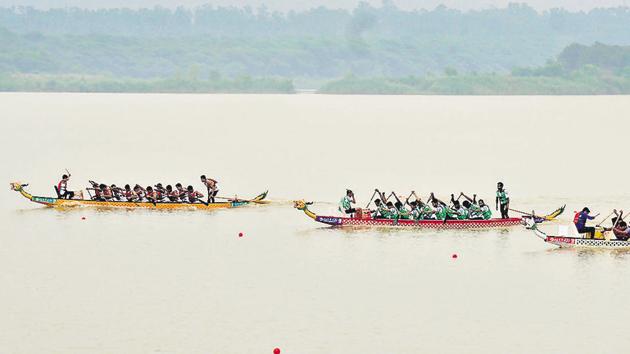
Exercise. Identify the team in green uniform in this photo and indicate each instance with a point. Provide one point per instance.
(433, 209)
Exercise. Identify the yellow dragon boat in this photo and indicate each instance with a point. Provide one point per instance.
(68, 203)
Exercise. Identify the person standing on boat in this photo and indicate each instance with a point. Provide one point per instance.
(211, 184)
(345, 205)
(502, 201)
(580, 220)
(62, 188)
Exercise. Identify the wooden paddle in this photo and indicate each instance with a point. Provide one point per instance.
(606, 218)
(410, 194)
(243, 200)
(524, 213)
(372, 198)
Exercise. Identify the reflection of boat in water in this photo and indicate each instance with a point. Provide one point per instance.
(365, 219)
(67, 203)
(565, 241)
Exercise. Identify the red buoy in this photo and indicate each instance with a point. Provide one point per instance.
(454, 256)
(83, 218)
(276, 351)
(240, 234)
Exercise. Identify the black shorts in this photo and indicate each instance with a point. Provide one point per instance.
(67, 195)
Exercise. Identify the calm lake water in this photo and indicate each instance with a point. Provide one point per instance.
(184, 282)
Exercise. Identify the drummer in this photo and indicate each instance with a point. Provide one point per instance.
(62, 187)
(345, 204)
(580, 220)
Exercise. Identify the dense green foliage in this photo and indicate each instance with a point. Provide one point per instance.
(319, 43)
(481, 85)
(82, 83)
(597, 69)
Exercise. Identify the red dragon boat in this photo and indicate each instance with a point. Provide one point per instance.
(365, 219)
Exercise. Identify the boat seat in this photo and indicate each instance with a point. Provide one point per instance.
(57, 191)
(570, 231)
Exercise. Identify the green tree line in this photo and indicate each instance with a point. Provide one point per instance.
(315, 44)
(578, 70)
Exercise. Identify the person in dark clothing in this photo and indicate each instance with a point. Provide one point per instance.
(580, 220)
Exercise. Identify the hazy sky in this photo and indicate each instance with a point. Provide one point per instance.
(285, 5)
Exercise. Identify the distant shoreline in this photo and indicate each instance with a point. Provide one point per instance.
(465, 85)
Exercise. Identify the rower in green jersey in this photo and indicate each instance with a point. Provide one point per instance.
(478, 209)
(415, 211)
(403, 212)
(474, 212)
(462, 211)
(439, 208)
(486, 212)
(457, 211)
(427, 213)
(421, 211)
(393, 211)
(381, 212)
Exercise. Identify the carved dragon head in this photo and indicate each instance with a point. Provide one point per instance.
(299, 204)
(16, 186)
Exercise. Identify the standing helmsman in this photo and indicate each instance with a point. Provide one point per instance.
(62, 188)
(211, 185)
(502, 201)
(345, 205)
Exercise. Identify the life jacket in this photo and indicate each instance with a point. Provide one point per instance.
(59, 185)
(576, 218)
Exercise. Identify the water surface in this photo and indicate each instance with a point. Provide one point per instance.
(184, 282)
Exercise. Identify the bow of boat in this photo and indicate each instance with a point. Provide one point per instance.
(19, 187)
(303, 206)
